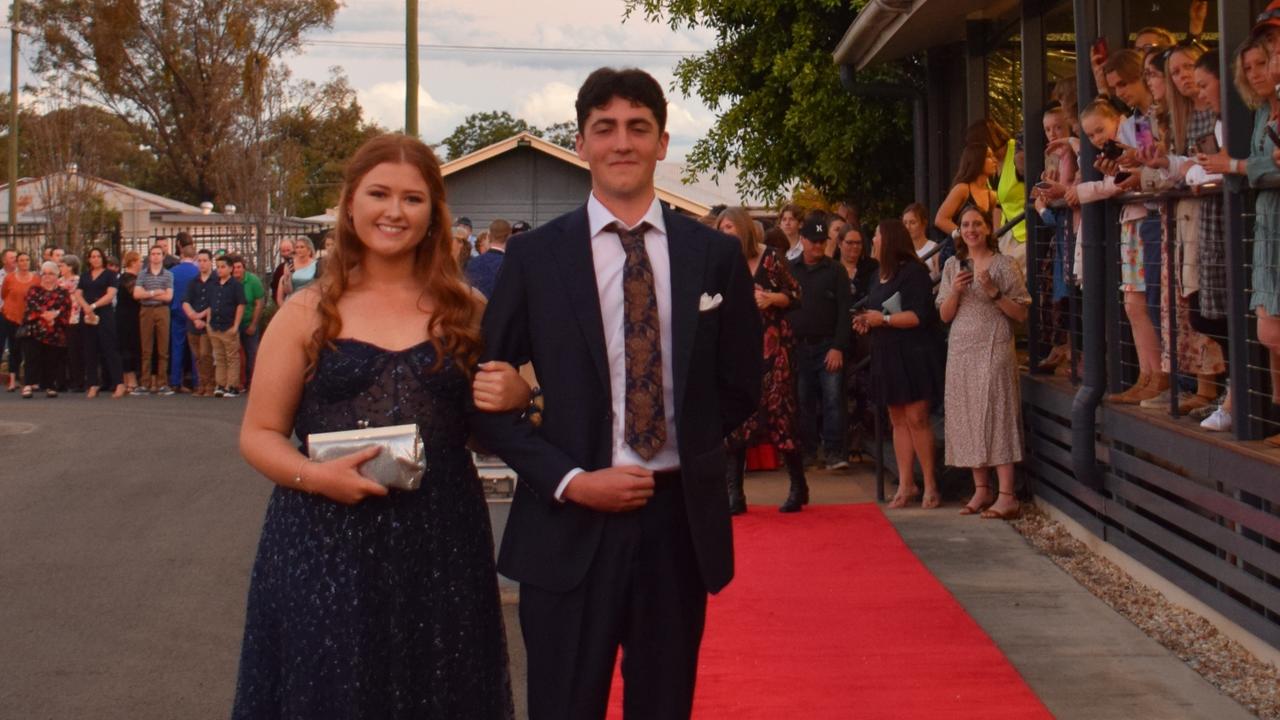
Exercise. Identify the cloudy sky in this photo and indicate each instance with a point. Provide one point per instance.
(367, 44)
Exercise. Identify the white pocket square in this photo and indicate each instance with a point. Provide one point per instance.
(709, 302)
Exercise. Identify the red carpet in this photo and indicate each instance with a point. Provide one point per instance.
(831, 616)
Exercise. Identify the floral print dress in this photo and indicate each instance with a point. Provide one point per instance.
(775, 420)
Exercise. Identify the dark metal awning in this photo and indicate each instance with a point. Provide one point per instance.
(892, 29)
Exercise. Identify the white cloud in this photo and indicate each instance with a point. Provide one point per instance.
(550, 104)
(384, 104)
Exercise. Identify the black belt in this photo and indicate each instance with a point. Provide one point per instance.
(815, 339)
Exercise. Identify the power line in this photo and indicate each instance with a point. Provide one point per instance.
(371, 44)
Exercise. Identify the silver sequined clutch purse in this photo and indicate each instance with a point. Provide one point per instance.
(399, 465)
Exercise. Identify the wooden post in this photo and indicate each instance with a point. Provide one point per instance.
(13, 121)
(411, 68)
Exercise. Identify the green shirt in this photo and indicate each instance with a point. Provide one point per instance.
(253, 292)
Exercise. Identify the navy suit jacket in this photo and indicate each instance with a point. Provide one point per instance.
(545, 309)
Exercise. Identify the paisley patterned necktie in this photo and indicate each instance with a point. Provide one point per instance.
(646, 424)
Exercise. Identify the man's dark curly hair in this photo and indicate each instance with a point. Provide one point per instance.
(631, 84)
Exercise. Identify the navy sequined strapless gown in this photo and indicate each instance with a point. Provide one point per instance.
(387, 609)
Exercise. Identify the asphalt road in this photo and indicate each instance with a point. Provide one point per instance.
(127, 533)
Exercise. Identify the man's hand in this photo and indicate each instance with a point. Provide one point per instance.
(616, 489)
(251, 329)
(498, 387)
(198, 323)
(835, 360)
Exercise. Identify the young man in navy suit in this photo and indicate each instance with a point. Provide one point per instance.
(641, 326)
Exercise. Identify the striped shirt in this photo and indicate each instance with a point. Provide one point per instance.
(149, 281)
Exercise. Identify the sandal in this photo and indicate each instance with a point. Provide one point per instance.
(92, 393)
(26, 392)
(992, 514)
(51, 393)
(930, 501)
(969, 509)
(901, 500)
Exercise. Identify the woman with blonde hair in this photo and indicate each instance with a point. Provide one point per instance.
(365, 598)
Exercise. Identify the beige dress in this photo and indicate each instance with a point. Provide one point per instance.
(983, 426)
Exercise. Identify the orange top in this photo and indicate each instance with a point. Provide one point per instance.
(14, 294)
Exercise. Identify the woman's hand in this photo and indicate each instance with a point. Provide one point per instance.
(1218, 163)
(1054, 191)
(860, 325)
(1071, 196)
(1153, 157)
(763, 298)
(961, 281)
(498, 387)
(340, 480)
(50, 315)
(988, 284)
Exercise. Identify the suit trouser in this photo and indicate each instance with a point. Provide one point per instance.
(153, 328)
(643, 591)
(226, 356)
(202, 352)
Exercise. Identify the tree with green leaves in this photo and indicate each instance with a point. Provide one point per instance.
(483, 129)
(182, 72)
(783, 116)
(480, 130)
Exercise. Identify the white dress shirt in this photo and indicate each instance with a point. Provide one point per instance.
(610, 259)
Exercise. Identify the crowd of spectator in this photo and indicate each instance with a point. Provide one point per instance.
(1156, 126)
(162, 325)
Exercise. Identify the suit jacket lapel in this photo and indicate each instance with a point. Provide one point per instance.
(688, 256)
(579, 277)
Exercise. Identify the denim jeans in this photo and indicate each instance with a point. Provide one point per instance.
(821, 398)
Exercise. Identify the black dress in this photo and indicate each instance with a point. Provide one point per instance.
(388, 608)
(127, 324)
(907, 365)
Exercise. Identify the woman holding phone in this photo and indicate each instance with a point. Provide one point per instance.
(983, 294)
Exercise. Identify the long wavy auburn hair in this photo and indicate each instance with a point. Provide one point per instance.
(454, 325)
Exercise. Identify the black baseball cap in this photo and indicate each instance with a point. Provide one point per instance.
(520, 226)
(814, 228)
(464, 220)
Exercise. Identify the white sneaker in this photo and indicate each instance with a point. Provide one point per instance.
(1219, 421)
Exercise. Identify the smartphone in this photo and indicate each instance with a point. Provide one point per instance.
(966, 265)
(1207, 144)
(1146, 138)
(1112, 150)
(1099, 49)
(1042, 185)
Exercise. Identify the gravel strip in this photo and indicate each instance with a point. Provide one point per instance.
(1220, 660)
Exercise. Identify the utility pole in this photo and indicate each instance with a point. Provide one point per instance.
(411, 68)
(13, 121)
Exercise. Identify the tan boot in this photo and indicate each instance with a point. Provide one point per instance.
(1159, 383)
(1206, 393)
(1130, 396)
